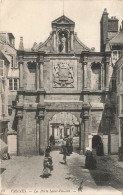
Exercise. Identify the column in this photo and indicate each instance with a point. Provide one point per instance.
(85, 74)
(71, 41)
(54, 41)
(21, 75)
(19, 135)
(41, 75)
(119, 131)
(37, 135)
(107, 74)
(42, 143)
(82, 138)
(85, 114)
(37, 76)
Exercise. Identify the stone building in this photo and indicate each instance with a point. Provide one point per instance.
(9, 82)
(119, 72)
(65, 89)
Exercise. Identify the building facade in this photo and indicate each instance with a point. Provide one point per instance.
(9, 81)
(67, 89)
(119, 72)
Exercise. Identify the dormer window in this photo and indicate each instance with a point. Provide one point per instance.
(116, 54)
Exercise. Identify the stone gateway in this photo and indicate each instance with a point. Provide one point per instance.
(64, 90)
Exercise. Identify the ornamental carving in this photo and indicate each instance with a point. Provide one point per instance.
(63, 75)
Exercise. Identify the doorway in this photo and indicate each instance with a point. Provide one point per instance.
(98, 145)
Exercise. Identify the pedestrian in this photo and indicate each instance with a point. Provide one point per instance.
(64, 150)
(52, 140)
(71, 145)
(90, 161)
(48, 163)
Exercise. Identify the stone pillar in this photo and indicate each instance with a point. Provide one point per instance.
(71, 41)
(42, 139)
(107, 69)
(90, 141)
(37, 76)
(107, 74)
(85, 114)
(41, 75)
(119, 131)
(81, 138)
(21, 75)
(12, 142)
(85, 80)
(54, 41)
(37, 135)
(19, 133)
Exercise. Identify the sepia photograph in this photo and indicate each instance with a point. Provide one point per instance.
(61, 97)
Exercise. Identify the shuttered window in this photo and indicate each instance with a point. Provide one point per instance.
(1, 68)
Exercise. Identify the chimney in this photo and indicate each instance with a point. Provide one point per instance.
(21, 47)
(113, 24)
(103, 29)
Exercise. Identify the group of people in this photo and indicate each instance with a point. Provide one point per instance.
(66, 150)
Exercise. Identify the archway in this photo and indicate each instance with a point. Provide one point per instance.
(64, 124)
(98, 145)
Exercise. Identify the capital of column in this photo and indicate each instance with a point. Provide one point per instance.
(85, 111)
(21, 62)
(85, 62)
(41, 111)
(19, 116)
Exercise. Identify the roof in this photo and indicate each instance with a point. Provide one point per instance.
(118, 39)
(63, 20)
(2, 54)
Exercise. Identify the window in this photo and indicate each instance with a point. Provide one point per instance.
(116, 54)
(1, 68)
(10, 84)
(12, 61)
(13, 84)
(113, 85)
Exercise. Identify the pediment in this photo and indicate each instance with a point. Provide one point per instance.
(63, 20)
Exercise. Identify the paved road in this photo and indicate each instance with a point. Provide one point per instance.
(23, 175)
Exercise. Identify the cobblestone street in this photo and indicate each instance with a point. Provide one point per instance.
(23, 175)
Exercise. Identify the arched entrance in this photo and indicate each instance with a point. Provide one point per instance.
(64, 124)
(98, 145)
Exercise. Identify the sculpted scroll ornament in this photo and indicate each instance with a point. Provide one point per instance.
(63, 75)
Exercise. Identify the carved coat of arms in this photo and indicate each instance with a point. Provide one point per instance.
(63, 75)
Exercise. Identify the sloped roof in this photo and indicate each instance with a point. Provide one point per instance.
(118, 39)
(2, 54)
(82, 44)
(63, 20)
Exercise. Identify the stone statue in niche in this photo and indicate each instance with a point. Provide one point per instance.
(63, 75)
(62, 43)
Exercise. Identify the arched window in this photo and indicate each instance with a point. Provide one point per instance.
(96, 76)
